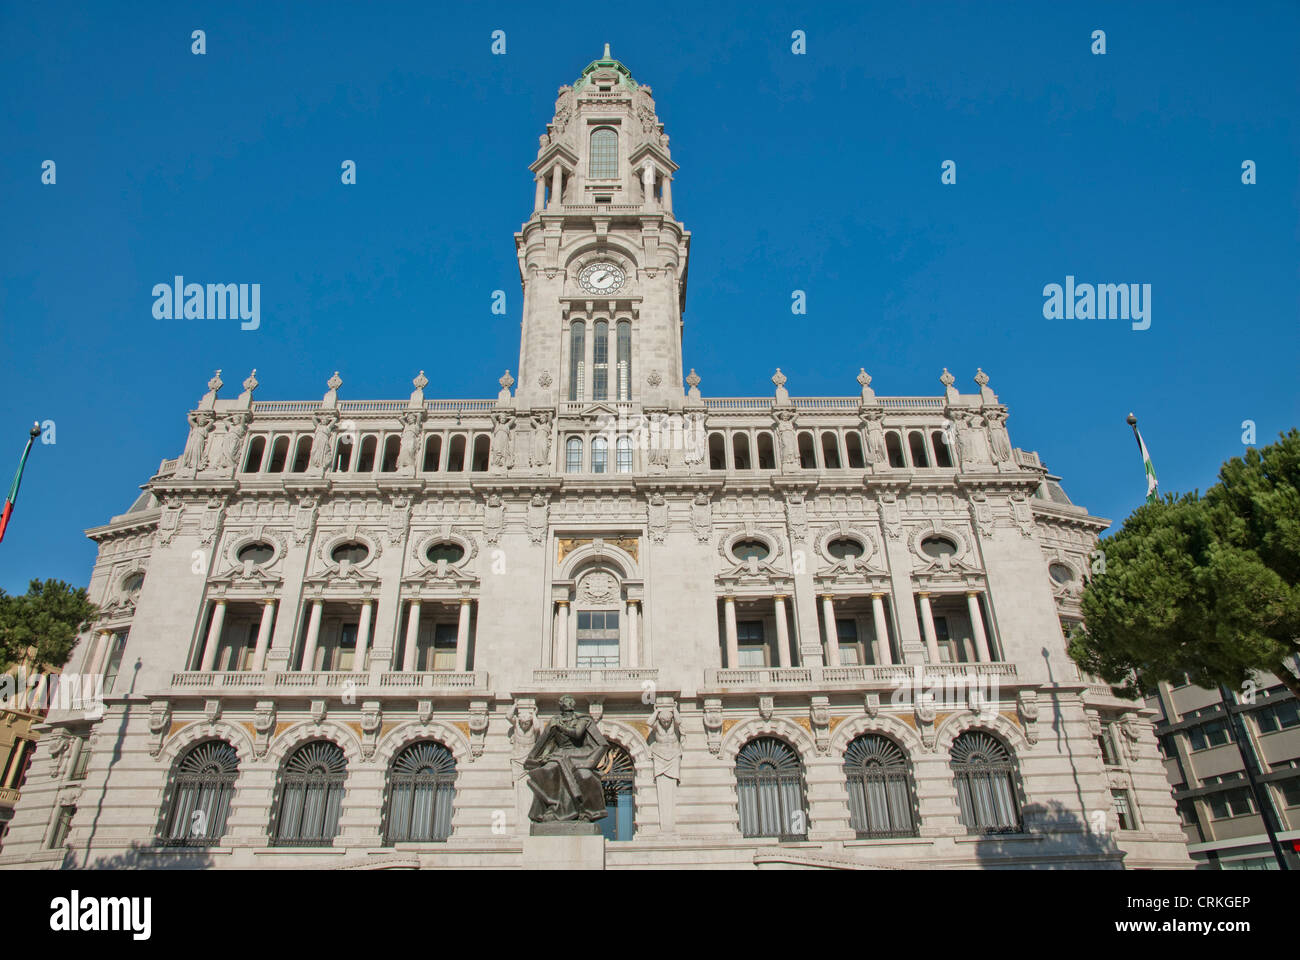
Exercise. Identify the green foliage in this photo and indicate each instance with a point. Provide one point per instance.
(47, 617)
(1207, 587)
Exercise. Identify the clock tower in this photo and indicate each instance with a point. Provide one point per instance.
(602, 259)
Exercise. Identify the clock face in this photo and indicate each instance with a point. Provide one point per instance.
(602, 277)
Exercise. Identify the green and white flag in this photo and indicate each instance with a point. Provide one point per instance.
(1153, 485)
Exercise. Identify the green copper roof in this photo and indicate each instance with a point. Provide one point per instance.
(608, 62)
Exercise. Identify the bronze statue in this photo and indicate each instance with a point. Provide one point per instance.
(562, 768)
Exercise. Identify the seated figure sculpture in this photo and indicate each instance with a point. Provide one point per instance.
(562, 768)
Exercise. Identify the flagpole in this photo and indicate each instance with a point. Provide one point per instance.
(18, 479)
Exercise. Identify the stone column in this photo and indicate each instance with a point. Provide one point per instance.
(313, 636)
(557, 185)
(633, 640)
(560, 645)
(214, 637)
(363, 635)
(648, 183)
(412, 636)
(539, 197)
(882, 629)
(462, 636)
(264, 634)
(97, 656)
(927, 627)
(668, 194)
(733, 642)
(832, 635)
(977, 624)
(782, 632)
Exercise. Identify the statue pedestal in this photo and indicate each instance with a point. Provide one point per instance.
(564, 846)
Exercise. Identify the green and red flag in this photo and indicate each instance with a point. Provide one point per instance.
(18, 479)
(1153, 486)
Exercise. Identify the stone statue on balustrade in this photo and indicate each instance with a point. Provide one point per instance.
(562, 772)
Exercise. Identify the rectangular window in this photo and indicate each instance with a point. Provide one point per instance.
(1123, 810)
(1290, 790)
(1186, 812)
(624, 360)
(1106, 743)
(846, 633)
(81, 759)
(345, 657)
(1231, 803)
(598, 638)
(577, 358)
(114, 661)
(752, 643)
(600, 362)
(61, 827)
(444, 646)
(1278, 716)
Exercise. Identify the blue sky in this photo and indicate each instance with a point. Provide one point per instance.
(818, 172)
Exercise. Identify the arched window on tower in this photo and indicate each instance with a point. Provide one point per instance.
(625, 360)
(853, 449)
(880, 788)
(456, 454)
(573, 455)
(986, 789)
(624, 454)
(717, 452)
(577, 358)
(392, 450)
(769, 790)
(604, 153)
(311, 795)
(421, 788)
(766, 453)
(600, 362)
(599, 455)
(916, 442)
(740, 450)
(942, 453)
(894, 447)
(202, 785)
(807, 455)
(482, 449)
(253, 462)
(302, 454)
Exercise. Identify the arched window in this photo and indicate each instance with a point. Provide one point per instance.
(456, 454)
(830, 451)
(618, 778)
(942, 455)
(769, 789)
(853, 444)
(880, 788)
(625, 360)
(577, 358)
(624, 454)
(916, 441)
(604, 153)
(421, 788)
(253, 461)
(202, 785)
(301, 455)
(740, 451)
(366, 458)
(311, 795)
(432, 452)
(573, 455)
(599, 455)
(766, 455)
(279, 455)
(392, 449)
(343, 453)
(717, 452)
(986, 790)
(482, 447)
(894, 447)
(807, 455)
(600, 361)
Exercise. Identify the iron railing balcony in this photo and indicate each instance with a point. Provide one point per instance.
(328, 681)
(867, 674)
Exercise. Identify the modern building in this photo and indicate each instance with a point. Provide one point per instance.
(818, 631)
(1206, 757)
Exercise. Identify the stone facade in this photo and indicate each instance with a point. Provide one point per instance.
(698, 572)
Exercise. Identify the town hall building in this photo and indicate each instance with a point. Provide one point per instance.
(815, 631)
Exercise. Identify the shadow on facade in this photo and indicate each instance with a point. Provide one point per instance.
(1061, 842)
(144, 856)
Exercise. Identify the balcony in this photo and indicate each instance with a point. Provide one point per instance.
(596, 676)
(868, 675)
(328, 682)
(8, 796)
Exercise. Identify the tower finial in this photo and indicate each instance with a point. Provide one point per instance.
(607, 51)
